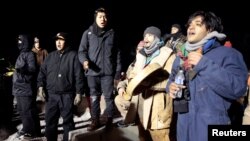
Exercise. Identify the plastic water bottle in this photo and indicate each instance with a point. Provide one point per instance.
(179, 79)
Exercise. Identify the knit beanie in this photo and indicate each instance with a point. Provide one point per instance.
(153, 30)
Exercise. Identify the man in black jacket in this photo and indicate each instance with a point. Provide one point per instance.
(61, 76)
(100, 58)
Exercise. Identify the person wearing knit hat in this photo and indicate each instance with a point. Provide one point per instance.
(153, 30)
(154, 113)
(152, 39)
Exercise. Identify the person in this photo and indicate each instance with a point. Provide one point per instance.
(121, 101)
(40, 52)
(175, 39)
(24, 88)
(60, 82)
(100, 57)
(153, 108)
(246, 116)
(214, 77)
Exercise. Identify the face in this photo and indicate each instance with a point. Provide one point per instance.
(36, 43)
(196, 30)
(174, 30)
(148, 39)
(101, 19)
(60, 44)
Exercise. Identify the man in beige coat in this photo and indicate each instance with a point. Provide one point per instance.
(122, 100)
(150, 102)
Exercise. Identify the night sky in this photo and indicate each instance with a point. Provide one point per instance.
(127, 18)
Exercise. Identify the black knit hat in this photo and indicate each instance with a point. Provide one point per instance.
(153, 30)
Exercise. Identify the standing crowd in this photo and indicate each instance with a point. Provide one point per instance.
(215, 76)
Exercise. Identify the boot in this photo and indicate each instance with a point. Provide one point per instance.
(95, 124)
(109, 123)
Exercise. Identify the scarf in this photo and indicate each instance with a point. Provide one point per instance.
(153, 47)
(195, 46)
(206, 43)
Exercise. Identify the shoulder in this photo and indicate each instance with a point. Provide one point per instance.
(165, 50)
(227, 51)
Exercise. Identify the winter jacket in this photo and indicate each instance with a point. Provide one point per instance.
(61, 73)
(101, 52)
(154, 105)
(221, 78)
(24, 82)
(246, 117)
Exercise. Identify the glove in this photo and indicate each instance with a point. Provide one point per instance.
(41, 93)
(78, 99)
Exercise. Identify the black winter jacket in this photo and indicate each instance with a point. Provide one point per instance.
(101, 52)
(61, 73)
(24, 83)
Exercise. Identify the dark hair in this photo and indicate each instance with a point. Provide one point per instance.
(100, 10)
(211, 21)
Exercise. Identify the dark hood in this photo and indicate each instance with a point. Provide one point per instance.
(26, 43)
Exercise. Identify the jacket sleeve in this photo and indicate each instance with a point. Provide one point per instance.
(83, 48)
(228, 79)
(31, 61)
(78, 71)
(26, 63)
(174, 70)
(41, 78)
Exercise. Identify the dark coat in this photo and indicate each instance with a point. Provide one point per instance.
(24, 82)
(101, 52)
(61, 73)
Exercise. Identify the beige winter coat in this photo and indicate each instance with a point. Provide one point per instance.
(153, 105)
(246, 117)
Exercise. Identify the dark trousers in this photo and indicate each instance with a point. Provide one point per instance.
(27, 109)
(101, 85)
(56, 106)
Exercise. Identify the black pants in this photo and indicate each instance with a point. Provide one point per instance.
(101, 85)
(56, 106)
(26, 106)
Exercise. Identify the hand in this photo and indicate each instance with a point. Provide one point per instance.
(86, 65)
(41, 93)
(121, 91)
(77, 99)
(173, 88)
(194, 57)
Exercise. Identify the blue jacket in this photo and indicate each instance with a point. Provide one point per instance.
(221, 77)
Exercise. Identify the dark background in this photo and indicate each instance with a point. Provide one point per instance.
(129, 19)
